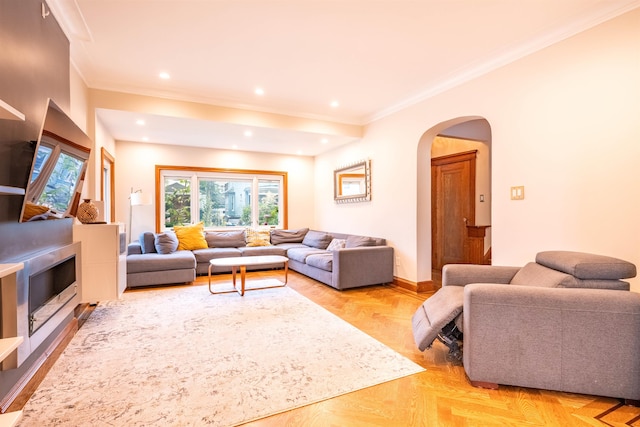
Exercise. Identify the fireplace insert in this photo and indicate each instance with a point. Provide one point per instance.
(43, 298)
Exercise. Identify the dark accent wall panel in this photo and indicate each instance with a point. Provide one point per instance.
(34, 66)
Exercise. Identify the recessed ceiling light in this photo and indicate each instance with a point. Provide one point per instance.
(259, 91)
(335, 104)
(165, 75)
(299, 152)
(140, 122)
(324, 140)
(234, 146)
(248, 133)
(145, 138)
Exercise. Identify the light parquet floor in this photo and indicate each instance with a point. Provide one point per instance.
(441, 396)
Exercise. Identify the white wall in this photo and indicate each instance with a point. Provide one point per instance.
(135, 168)
(564, 124)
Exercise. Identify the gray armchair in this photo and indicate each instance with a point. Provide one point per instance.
(566, 322)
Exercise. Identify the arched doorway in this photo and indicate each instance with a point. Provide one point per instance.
(470, 134)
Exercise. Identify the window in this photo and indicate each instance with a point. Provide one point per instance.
(221, 198)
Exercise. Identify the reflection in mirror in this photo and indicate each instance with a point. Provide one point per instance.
(58, 169)
(353, 183)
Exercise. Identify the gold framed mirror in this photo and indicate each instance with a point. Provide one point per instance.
(352, 183)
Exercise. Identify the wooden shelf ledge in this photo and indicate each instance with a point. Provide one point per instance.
(10, 419)
(7, 112)
(7, 345)
(7, 269)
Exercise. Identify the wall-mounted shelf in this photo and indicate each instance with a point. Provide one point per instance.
(7, 345)
(10, 418)
(8, 191)
(7, 112)
(7, 269)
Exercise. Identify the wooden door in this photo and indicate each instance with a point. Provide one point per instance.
(453, 188)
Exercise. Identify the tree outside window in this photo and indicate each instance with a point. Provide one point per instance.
(177, 201)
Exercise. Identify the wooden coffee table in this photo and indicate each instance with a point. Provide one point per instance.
(243, 262)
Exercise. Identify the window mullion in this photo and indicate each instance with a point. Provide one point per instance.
(255, 203)
(195, 199)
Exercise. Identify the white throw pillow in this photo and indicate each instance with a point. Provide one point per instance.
(336, 244)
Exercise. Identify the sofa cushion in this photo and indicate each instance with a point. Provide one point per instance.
(534, 274)
(257, 237)
(225, 239)
(166, 243)
(321, 261)
(159, 262)
(317, 239)
(287, 246)
(190, 237)
(204, 255)
(262, 250)
(587, 266)
(359, 241)
(147, 242)
(288, 236)
(336, 244)
(301, 254)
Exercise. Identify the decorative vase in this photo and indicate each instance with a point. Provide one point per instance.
(87, 212)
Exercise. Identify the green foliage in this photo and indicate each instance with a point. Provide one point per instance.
(177, 203)
(245, 219)
(268, 209)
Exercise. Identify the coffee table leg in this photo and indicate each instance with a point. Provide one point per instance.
(243, 272)
(210, 279)
(286, 271)
(233, 275)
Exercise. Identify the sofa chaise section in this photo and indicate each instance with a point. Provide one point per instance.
(159, 269)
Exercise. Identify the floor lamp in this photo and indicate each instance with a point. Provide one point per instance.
(136, 198)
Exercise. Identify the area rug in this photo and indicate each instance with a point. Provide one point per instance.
(184, 357)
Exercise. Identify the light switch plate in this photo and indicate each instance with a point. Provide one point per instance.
(517, 193)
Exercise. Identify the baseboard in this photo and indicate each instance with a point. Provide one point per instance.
(417, 287)
(28, 383)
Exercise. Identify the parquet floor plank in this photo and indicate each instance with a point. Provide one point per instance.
(440, 396)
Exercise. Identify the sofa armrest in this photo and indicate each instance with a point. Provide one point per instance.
(362, 266)
(134, 248)
(463, 274)
(574, 340)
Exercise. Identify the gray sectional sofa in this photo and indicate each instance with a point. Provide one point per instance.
(339, 260)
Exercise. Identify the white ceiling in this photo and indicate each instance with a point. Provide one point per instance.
(373, 56)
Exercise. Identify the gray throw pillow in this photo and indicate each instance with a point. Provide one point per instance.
(288, 236)
(147, 242)
(317, 239)
(225, 239)
(359, 241)
(166, 243)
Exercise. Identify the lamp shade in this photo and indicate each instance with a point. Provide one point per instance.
(140, 198)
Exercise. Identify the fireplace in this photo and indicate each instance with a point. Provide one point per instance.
(45, 294)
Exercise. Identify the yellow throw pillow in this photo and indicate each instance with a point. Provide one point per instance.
(258, 237)
(190, 237)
